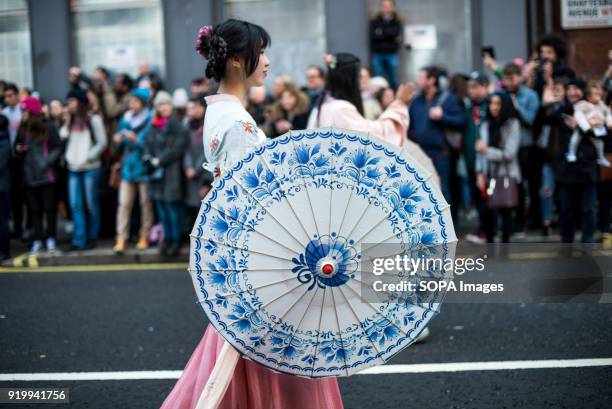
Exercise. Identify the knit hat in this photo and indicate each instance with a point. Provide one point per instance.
(180, 98)
(577, 82)
(161, 97)
(143, 94)
(78, 94)
(480, 78)
(32, 105)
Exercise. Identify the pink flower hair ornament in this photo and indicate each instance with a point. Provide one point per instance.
(201, 45)
(330, 60)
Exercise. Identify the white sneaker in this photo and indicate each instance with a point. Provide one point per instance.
(604, 162)
(51, 245)
(472, 238)
(36, 247)
(571, 158)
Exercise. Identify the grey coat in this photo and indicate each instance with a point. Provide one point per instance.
(504, 160)
(168, 145)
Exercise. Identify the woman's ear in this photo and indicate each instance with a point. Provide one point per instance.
(235, 62)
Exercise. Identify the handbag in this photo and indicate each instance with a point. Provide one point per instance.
(114, 178)
(502, 191)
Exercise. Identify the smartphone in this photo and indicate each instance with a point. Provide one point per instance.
(488, 50)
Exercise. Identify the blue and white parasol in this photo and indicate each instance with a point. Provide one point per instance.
(276, 251)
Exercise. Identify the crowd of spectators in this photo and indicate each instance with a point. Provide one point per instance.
(533, 127)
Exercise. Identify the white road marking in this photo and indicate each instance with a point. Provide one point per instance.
(486, 366)
(90, 376)
(378, 370)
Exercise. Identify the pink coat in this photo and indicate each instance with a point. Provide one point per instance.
(391, 126)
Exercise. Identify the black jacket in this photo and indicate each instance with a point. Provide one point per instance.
(385, 36)
(40, 159)
(585, 169)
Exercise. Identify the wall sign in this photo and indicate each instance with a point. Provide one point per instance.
(586, 13)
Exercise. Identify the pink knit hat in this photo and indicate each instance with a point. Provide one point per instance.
(32, 105)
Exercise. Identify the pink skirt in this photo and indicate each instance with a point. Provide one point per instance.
(252, 387)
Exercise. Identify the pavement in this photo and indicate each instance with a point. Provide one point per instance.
(136, 314)
(103, 253)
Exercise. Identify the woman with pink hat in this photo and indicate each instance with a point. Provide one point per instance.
(39, 145)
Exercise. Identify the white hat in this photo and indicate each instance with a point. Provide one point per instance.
(161, 97)
(179, 98)
(377, 83)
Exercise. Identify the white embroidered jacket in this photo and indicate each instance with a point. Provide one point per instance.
(230, 133)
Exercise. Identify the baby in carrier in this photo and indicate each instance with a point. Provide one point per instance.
(591, 115)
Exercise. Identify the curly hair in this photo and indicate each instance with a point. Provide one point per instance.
(232, 38)
(556, 42)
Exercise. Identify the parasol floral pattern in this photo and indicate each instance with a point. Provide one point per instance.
(244, 212)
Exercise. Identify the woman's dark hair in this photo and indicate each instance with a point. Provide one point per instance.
(37, 127)
(342, 80)
(506, 112)
(34, 128)
(232, 38)
(156, 82)
(79, 120)
(125, 80)
(458, 85)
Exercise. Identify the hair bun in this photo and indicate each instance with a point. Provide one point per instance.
(217, 54)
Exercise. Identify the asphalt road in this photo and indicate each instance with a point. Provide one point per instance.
(92, 321)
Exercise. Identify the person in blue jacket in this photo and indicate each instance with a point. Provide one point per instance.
(129, 141)
(433, 113)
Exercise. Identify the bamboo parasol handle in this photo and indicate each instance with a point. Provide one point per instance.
(219, 379)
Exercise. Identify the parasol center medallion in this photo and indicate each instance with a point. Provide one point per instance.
(327, 261)
(327, 268)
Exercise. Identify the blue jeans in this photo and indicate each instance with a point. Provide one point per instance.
(547, 190)
(87, 184)
(386, 65)
(170, 214)
(443, 167)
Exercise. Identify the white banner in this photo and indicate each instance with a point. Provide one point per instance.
(421, 36)
(120, 58)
